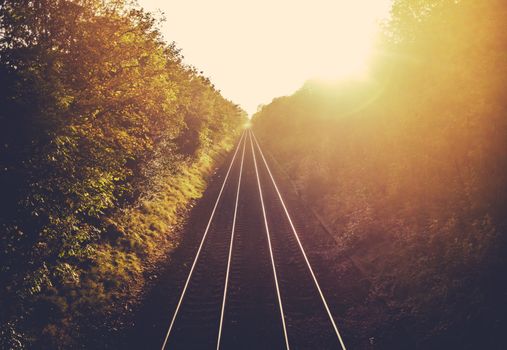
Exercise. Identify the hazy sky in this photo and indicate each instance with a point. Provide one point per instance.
(256, 50)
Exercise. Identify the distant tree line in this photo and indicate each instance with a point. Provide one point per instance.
(95, 109)
(410, 168)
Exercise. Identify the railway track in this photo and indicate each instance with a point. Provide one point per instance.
(251, 284)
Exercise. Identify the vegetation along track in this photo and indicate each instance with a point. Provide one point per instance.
(251, 285)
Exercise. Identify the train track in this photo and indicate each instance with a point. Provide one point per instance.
(251, 284)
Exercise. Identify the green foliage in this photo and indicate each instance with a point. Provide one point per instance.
(97, 115)
(410, 168)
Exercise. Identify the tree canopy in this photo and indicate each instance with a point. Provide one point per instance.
(95, 107)
(410, 167)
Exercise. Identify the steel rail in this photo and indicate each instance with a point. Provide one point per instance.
(171, 325)
(299, 243)
(229, 258)
(270, 247)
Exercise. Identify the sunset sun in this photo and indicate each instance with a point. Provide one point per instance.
(345, 37)
(269, 48)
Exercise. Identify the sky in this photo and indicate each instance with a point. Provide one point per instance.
(254, 51)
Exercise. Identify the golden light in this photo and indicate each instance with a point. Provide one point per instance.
(344, 37)
(254, 51)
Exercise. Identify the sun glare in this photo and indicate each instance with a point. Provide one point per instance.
(344, 63)
(255, 50)
(345, 37)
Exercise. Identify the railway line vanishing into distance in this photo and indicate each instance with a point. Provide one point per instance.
(251, 285)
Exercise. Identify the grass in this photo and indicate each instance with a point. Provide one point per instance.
(138, 240)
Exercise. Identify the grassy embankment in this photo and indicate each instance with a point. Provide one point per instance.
(106, 138)
(138, 240)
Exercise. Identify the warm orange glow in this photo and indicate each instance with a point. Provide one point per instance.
(256, 50)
